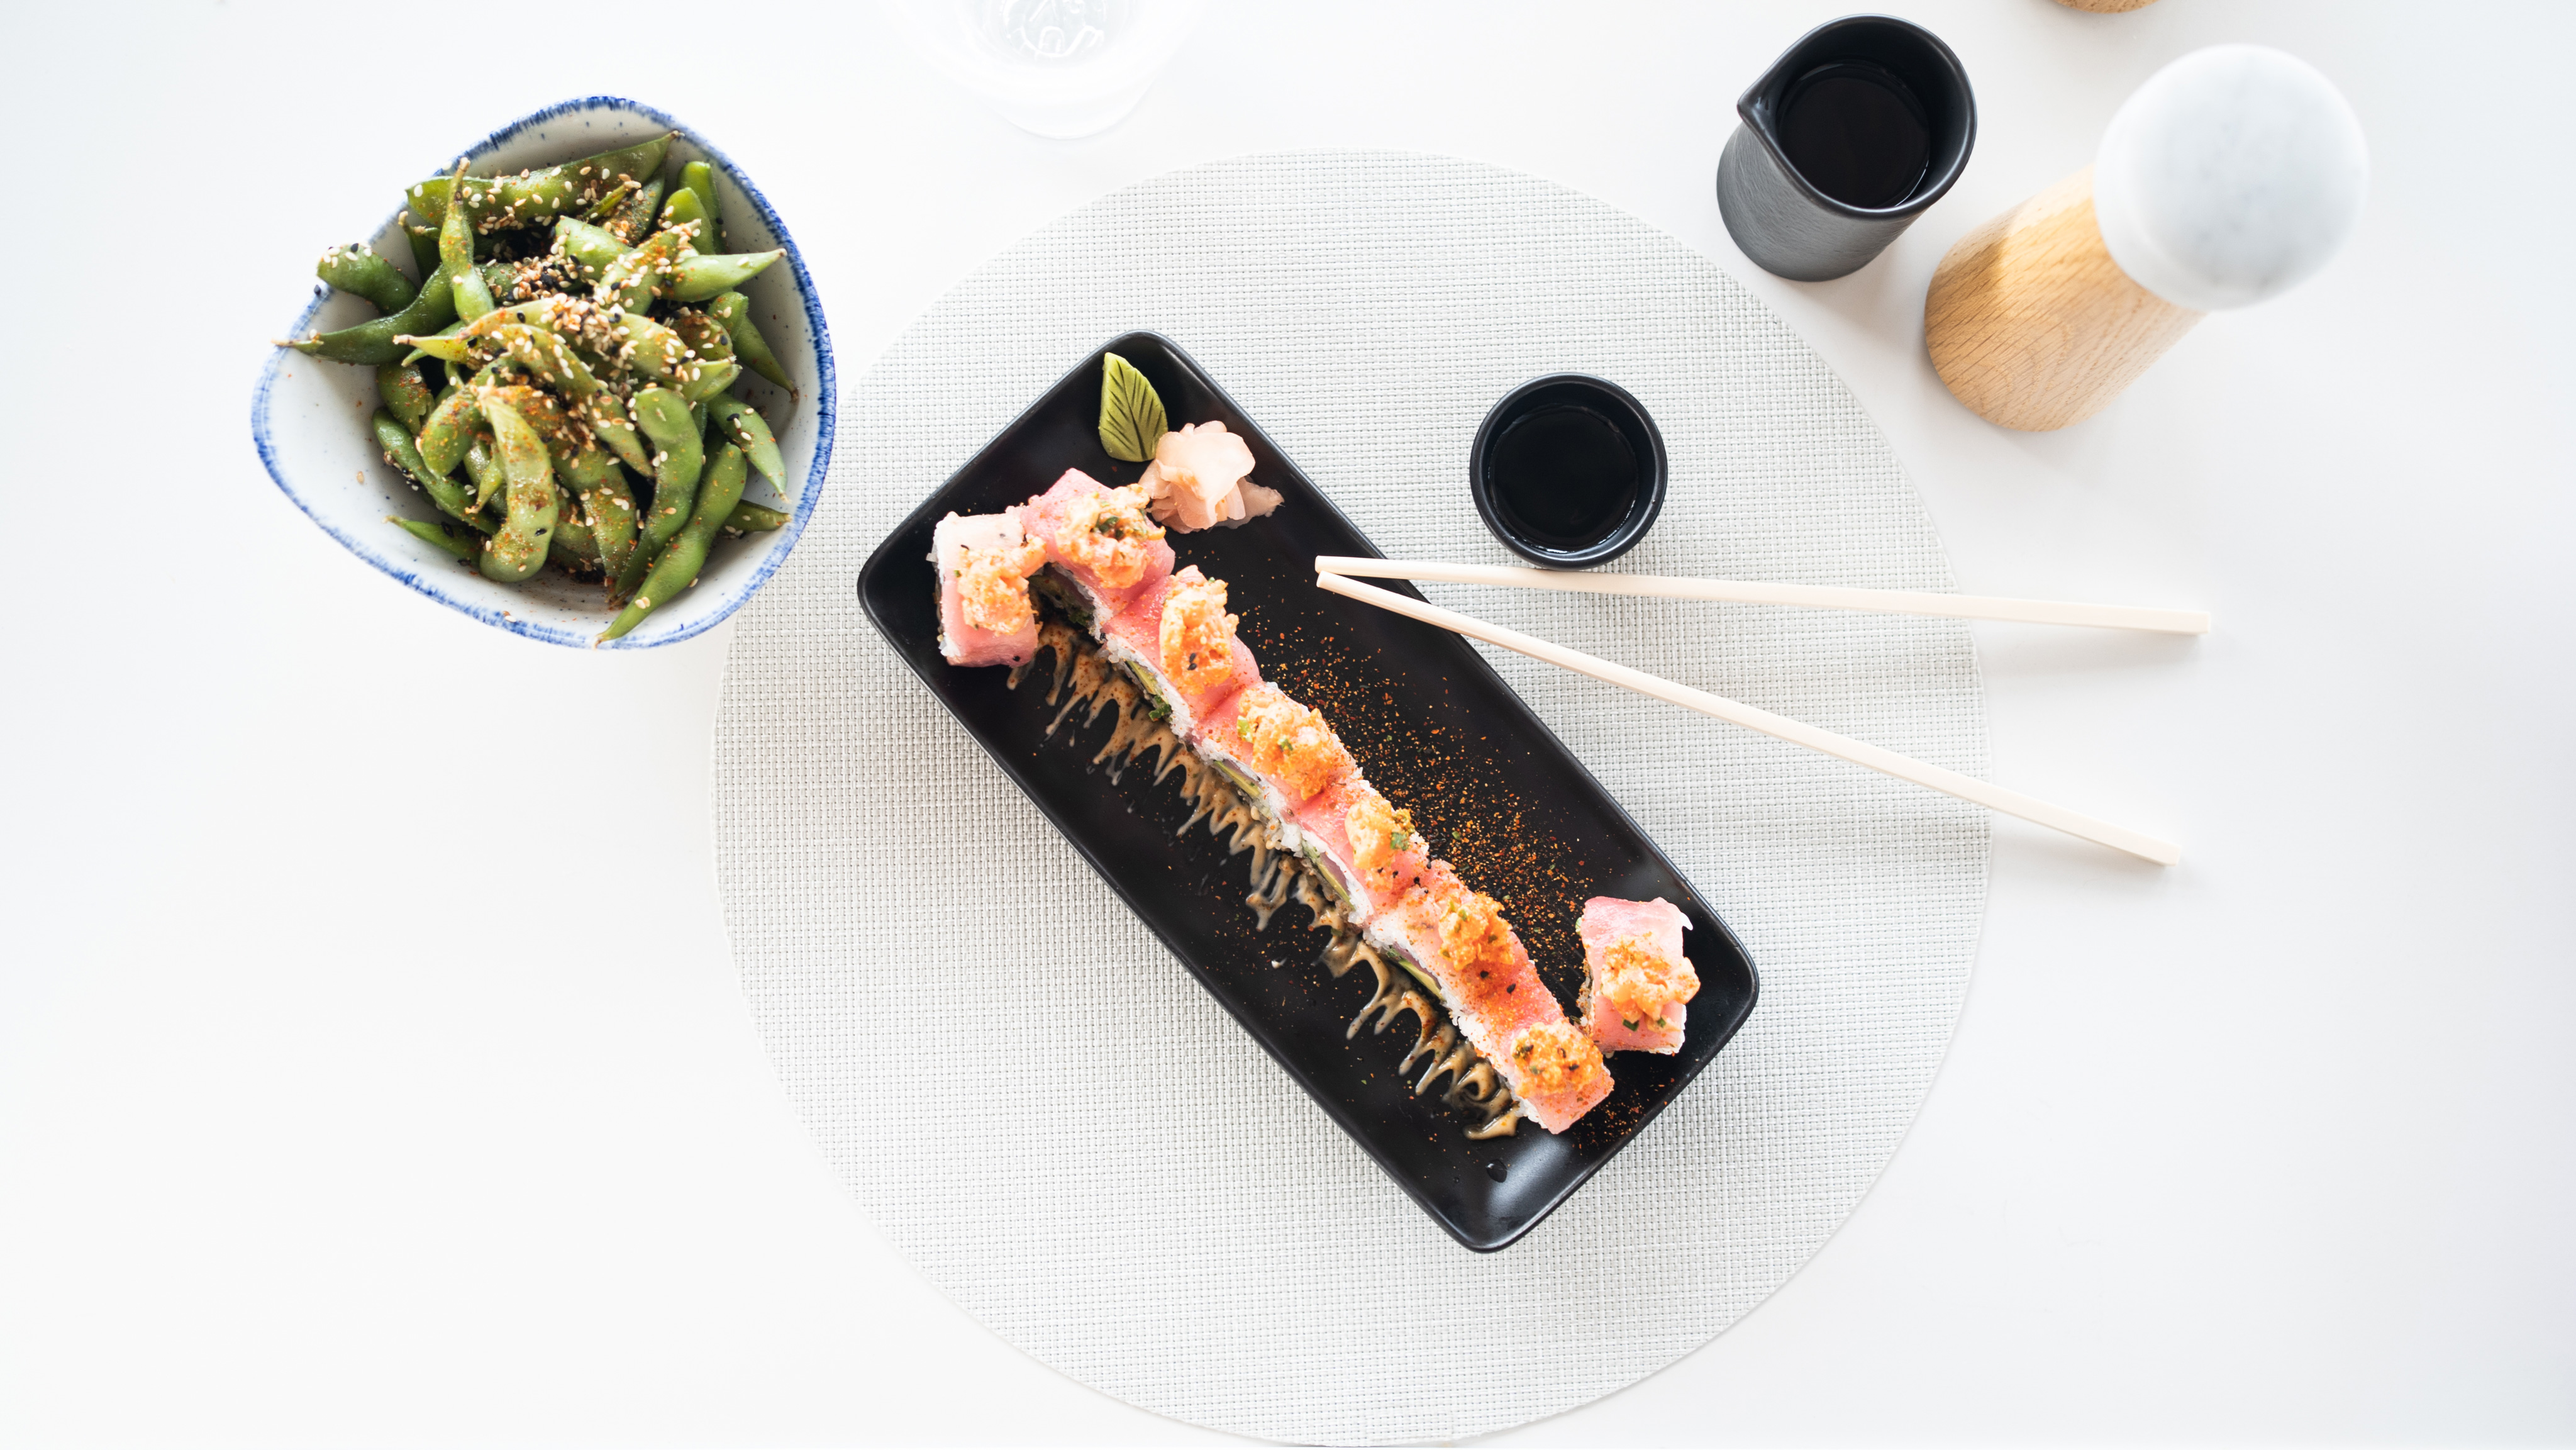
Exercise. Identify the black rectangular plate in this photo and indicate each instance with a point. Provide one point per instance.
(1430, 724)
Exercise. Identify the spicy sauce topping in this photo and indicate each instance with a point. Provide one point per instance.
(1289, 742)
(1198, 635)
(1637, 981)
(1379, 832)
(1555, 1057)
(1107, 533)
(993, 588)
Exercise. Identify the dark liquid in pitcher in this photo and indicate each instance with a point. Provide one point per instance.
(1857, 133)
(1563, 477)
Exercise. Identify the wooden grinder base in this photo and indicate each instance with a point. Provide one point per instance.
(2030, 322)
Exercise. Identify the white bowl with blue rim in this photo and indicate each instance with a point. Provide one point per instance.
(310, 417)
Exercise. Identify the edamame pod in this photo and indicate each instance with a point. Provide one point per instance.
(456, 259)
(497, 202)
(452, 498)
(698, 177)
(612, 521)
(572, 549)
(406, 394)
(630, 282)
(743, 424)
(699, 278)
(519, 549)
(355, 268)
(371, 343)
(595, 248)
(706, 380)
(685, 214)
(734, 311)
(678, 567)
(679, 459)
(484, 467)
(439, 536)
(647, 346)
(423, 238)
(706, 337)
(541, 352)
(634, 216)
(607, 418)
(449, 428)
(750, 518)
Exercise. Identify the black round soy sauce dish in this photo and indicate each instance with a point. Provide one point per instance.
(1568, 471)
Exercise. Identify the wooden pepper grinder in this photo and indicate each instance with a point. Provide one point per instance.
(2231, 176)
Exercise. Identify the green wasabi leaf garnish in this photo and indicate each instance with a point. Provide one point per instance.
(1132, 420)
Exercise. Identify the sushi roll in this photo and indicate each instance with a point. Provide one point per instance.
(1102, 549)
(985, 615)
(1363, 848)
(1636, 979)
(1177, 642)
(1278, 752)
(1457, 939)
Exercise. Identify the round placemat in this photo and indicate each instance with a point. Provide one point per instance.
(1035, 1102)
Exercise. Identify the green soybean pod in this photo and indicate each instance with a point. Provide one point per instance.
(355, 268)
(595, 248)
(423, 238)
(572, 548)
(704, 276)
(664, 417)
(634, 216)
(708, 380)
(611, 508)
(406, 393)
(647, 347)
(452, 498)
(450, 426)
(456, 259)
(519, 549)
(750, 518)
(678, 567)
(684, 214)
(438, 536)
(483, 465)
(743, 424)
(699, 177)
(734, 311)
(608, 420)
(371, 343)
(495, 202)
(542, 353)
(633, 280)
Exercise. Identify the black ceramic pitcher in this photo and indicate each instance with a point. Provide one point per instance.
(1851, 135)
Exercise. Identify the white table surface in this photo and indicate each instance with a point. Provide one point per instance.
(314, 1131)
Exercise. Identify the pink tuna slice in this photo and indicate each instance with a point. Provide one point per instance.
(1326, 819)
(1043, 517)
(960, 642)
(1606, 919)
(1140, 625)
(1197, 479)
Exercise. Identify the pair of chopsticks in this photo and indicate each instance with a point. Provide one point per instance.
(1335, 574)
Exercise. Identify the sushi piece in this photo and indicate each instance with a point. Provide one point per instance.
(1100, 544)
(1177, 642)
(1199, 478)
(1457, 940)
(985, 615)
(1278, 752)
(1636, 979)
(1363, 848)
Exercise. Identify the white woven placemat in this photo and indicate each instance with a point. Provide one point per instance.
(1028, 1094)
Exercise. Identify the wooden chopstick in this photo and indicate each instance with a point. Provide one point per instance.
(1841, 747)
(1805, 596)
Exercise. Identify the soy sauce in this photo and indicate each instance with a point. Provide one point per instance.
(1856, 133)
(1564, 476)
